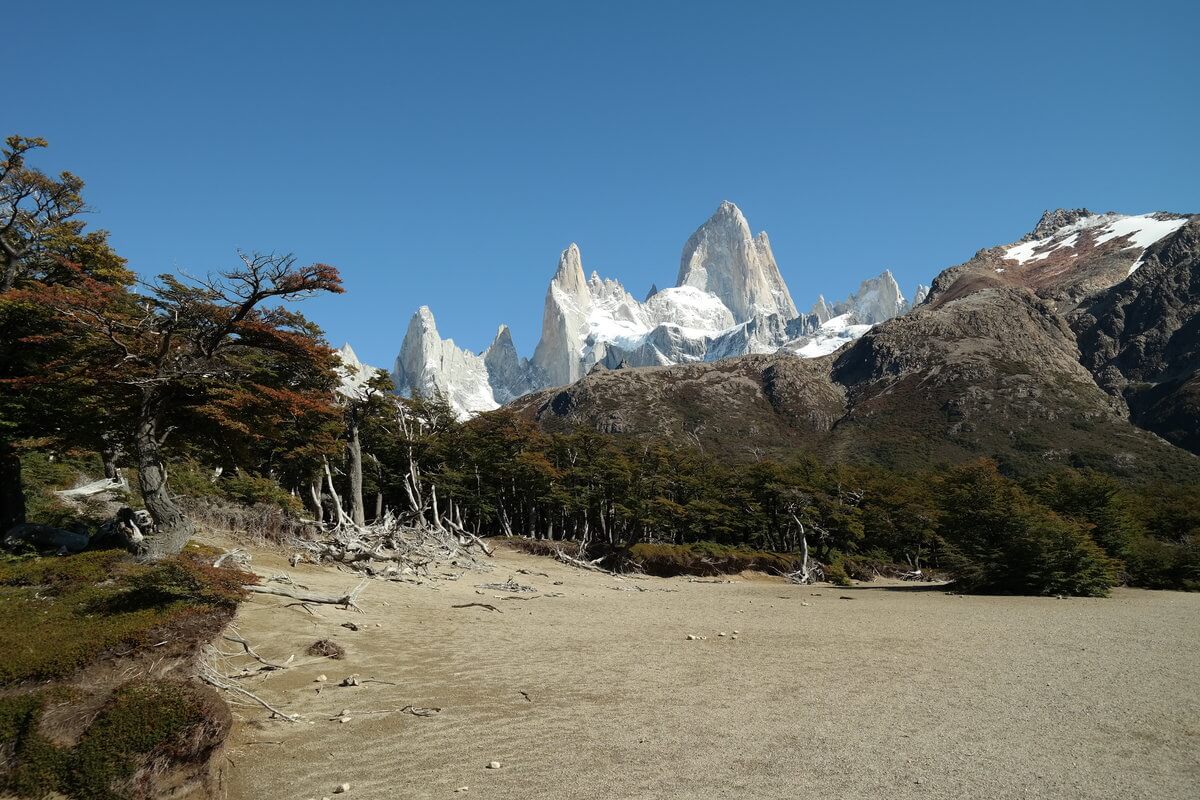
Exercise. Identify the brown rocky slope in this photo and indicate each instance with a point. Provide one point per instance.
(1002, 359)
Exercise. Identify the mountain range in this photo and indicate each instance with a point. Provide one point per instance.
(1077, 345)
(729, 300)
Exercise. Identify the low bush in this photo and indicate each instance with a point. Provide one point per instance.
(836, 573)
(542, 547)
(60, 613)
(196, 482)
(143, 726)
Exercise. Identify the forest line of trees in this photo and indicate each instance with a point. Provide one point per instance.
(219, 377)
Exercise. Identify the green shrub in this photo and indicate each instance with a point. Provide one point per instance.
(141, 720)
(251, 490)
(836, 574)
(1156, 564)
(998, 539)
(193, 480)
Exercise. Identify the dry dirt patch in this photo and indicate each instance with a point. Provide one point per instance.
(597, 693)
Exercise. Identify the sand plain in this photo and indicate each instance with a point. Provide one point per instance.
(597, 693)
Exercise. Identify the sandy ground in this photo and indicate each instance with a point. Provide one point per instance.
(895, 693)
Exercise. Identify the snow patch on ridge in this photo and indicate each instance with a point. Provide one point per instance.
(1142, 229)
(832, 335)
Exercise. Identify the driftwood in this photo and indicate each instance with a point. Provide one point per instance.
(392, 550)
(210, 676)
(508, 586)
(94, 488)
(488, 606)
(591, 566)
(232, 635)
(349, 600)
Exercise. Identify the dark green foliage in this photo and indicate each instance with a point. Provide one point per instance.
(1068, 532)
(998, 539)
(192, 479)
(836, 574)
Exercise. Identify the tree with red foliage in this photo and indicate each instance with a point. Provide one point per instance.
(42, 245)
(217, 348)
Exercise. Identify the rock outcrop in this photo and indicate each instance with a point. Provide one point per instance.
(876, 300)
(1141, 339)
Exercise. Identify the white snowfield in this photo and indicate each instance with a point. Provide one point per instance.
(1143, 230)
(831, 336)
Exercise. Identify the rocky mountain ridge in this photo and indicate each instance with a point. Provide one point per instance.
(1077, 345)
(730, 300)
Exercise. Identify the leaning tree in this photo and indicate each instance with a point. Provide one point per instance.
(182, 340)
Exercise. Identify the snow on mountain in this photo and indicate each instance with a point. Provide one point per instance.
(1141, 231)
(876, 300)
(832, 334)
(722, 257)
(730, 300)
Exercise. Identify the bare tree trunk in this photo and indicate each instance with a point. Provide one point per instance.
(314, 499)
(172, 528)
(357, 511)
(109, 455)
(338, 512)
(378, 506)
(12, 495)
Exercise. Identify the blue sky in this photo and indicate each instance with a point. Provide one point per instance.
(444, 153)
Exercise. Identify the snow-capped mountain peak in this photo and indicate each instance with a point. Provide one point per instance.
(722, 257)
(730, 300)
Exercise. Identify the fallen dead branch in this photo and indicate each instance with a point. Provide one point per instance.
(591, 566)
(508, 586)
(209, 674)
(488, 606)
(391, 550)
(94, 488)
(348, 600)
(233, 636)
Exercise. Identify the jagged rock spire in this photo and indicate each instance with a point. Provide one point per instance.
(722, 257)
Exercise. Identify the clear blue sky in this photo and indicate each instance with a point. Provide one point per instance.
(444, 153)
